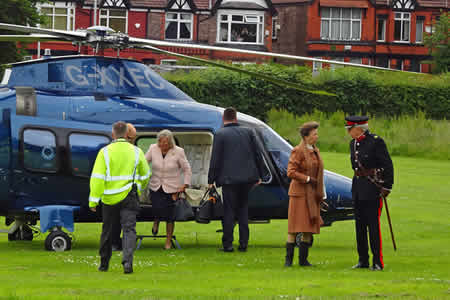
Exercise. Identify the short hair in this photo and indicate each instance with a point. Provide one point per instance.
(306, 128)
(166, 133)
(229, 114)
(120, 129)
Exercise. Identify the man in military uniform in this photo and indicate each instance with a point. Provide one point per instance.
(373, 179)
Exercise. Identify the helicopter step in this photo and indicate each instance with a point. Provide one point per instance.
(21, 230)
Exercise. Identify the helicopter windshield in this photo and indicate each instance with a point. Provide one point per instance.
(279, 149)
(84, 76)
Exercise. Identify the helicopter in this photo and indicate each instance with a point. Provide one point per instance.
(57, 112)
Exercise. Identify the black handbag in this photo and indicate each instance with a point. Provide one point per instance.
(205, 210)
(183, 209)
(218, 204)
(210, 207)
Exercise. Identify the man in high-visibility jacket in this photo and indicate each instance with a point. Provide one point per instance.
(117, 228)
(119, 175)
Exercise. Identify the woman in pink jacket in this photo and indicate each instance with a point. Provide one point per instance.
(168, 160)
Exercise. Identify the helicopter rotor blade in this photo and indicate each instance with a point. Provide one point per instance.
(67, 35)
(266, 77)
(159, 43)
(30, 38)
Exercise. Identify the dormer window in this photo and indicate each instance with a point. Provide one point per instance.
(179, 26)
(240, 28)
(402, 26)
(179, 20)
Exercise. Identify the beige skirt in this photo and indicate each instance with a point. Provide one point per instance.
(298, 217)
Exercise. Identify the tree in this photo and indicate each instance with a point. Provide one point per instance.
(20, 12)
(438, 43)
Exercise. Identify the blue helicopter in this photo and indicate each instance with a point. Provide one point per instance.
(56, 114)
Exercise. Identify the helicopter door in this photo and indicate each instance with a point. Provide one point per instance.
(268, 200)
(42, 161)
(5, 159)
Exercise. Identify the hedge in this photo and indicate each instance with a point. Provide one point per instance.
(379, 93)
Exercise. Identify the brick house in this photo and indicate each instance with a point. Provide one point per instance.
(385, 33)
(227, 23)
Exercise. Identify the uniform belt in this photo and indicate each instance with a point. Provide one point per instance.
(365, 172)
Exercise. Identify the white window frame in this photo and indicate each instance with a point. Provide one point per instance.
(70, 13)
(275, 27)
(340, 19)
(422, 27)
(402, 20)
(107, 16)
(178, 20)
(247, 17)
(383, 23)
(317, 65)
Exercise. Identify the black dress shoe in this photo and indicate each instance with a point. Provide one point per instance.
(361, 265)
(242, 248)
(377, 267)
(103, 265)
(227, 249)
(127, 268)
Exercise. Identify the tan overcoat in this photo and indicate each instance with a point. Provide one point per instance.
(305, 198)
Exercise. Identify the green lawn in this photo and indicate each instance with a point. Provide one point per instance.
(419, 206)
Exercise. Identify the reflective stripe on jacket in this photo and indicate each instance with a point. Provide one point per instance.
(112, 175)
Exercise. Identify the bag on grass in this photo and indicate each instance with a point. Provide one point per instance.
(183, 210)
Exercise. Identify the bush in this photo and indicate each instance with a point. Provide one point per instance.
(413, 135)
(379, 93)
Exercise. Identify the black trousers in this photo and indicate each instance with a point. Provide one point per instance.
(367, 217)
(126, 212)
(235, 205)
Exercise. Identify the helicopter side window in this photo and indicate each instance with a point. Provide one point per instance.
(83, 152)
(39, 150)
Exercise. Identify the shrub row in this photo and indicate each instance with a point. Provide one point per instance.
(413, 135)
(379, 93)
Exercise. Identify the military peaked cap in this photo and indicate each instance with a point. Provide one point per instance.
(355, 121)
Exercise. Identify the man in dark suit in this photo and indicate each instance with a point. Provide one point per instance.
(373, 179)
(236, 165)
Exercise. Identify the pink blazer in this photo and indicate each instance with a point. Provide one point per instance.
(166, 172)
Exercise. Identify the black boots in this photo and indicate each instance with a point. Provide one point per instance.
(289, 254)
(104, 264)
(303, 255)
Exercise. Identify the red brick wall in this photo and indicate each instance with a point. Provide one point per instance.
(156, 25)
(292, 34)
(137, 17)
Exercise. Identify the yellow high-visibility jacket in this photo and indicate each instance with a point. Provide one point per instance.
(112, 175)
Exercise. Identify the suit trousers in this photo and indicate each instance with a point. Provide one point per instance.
(367, 216)
(111, 214)
(235, 205)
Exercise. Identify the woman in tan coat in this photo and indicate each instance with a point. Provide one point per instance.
(306, 193)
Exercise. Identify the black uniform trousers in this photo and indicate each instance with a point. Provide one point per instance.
(367, 217)
(235, 205)
(126, 212)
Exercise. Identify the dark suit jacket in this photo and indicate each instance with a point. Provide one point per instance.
(236, 156)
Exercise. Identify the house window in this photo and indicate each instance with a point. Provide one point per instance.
(83, 152)
(382, 62)
(178, 26)
(356, 60)
(334, 66)
(401, 26)
(275, 27)
(39, 150)
(381, 34)
(115, 19)
(419, 30)
(59, 15)
(244, 29)
(340, 23)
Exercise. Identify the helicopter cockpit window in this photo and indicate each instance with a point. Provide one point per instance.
(279, 149)
(83, 152)
(39, 150)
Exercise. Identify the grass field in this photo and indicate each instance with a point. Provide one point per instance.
(419, 206)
